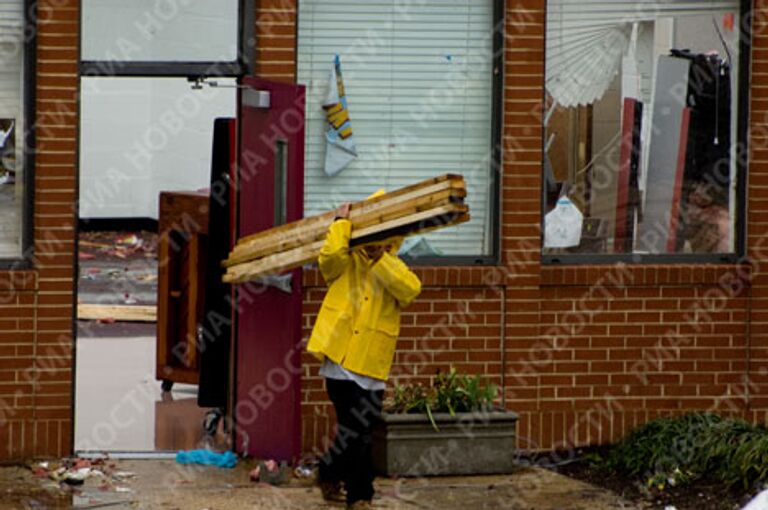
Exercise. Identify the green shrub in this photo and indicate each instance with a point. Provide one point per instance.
(659, 445)
(676, 451)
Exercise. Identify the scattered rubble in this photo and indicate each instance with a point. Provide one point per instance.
(117, 268)
(84, 483)
(271, 472)
(119, 245)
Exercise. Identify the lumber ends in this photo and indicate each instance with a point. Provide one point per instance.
(418, 208)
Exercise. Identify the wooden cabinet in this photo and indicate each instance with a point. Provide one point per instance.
(182, 246)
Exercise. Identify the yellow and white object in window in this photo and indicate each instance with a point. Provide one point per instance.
(340, 148)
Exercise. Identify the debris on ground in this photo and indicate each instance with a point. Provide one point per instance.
(118, 268)
(271, 472)
(305, 469)
(120, 245)
(207, 458)
(165, 484)
(76, 471)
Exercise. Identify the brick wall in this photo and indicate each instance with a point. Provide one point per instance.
(583, 353)
(276, 40)
(757, 218)
(456, 322)
(619, 346)
(36, 304)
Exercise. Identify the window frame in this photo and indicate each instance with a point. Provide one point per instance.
(25, 259)
(497, 115)
(243, 65)
(492, 258)
(742, 165)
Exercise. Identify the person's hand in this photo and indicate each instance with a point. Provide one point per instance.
(342, 212)
(376, 251)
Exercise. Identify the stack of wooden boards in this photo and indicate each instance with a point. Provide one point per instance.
(428, 205)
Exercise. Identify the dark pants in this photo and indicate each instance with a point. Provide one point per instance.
(349, 459)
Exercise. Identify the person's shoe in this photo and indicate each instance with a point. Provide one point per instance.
(360, 504)
(332, 491)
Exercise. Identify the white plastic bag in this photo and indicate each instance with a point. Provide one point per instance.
(759, 502)
(562, 227)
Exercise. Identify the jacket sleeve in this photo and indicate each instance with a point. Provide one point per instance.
(397, 278)
(334, 255)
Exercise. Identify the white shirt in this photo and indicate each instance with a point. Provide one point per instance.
(333, 370)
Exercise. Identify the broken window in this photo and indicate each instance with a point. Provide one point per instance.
(641, 114)
(419, 84)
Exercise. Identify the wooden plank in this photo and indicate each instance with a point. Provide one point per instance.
(288, 240)
(128, 313)
(273, 264)
(417, 227)
(325, 218)
(304, 231)
(359, 211)
(431, 219)
(409, 220)
(308, 254)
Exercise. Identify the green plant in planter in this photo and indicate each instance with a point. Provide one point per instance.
(450, 393)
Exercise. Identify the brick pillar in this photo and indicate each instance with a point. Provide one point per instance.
(37, 337)
(521, 211)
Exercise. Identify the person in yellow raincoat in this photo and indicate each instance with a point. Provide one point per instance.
(354, 337)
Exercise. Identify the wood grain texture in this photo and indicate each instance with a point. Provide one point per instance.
(417, 222)
(127, 313)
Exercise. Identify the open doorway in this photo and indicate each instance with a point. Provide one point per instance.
(146, 124)
(120, 402)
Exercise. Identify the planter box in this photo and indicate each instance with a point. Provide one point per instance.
(466, 444)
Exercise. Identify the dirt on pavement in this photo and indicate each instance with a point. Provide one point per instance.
(166, 485)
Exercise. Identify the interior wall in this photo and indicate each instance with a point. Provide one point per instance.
(141, 136)
(606, 144)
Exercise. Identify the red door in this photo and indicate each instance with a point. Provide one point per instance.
(271, 190)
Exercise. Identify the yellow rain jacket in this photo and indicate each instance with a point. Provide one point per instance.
(359, 321)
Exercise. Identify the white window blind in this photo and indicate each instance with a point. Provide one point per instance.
(586, 40)
(418, 78)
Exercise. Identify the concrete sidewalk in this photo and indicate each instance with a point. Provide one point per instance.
(166, 485)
